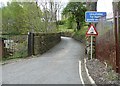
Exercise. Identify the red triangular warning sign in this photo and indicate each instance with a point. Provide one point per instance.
(92, 30)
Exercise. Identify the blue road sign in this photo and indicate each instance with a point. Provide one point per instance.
(91, 16)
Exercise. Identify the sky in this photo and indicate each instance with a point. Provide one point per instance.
(105, 6)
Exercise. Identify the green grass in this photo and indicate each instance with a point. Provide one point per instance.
(17, 55)
(80, 35)
(63, 28)
(21, 52)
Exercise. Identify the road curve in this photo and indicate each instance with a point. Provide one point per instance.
(60, 65)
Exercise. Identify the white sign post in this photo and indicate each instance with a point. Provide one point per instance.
(91, 46)
(93, 17)
(91, 32)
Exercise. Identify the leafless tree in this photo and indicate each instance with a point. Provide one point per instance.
(51, 10)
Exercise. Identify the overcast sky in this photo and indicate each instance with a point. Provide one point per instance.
(105, 6)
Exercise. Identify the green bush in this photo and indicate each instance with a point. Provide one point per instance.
(20, 54)
(60, 22)
(80, 35)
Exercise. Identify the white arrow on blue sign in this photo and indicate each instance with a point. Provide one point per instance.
(93, 16)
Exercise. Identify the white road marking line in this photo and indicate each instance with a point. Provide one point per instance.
(80, 73)
(90, 78)
(0, 74)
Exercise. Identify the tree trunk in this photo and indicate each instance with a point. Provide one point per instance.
(78, 26)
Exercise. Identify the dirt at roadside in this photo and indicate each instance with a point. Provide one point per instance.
(101, 73)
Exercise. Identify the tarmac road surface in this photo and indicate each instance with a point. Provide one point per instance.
(60, 65)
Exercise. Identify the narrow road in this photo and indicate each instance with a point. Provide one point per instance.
(60, 65)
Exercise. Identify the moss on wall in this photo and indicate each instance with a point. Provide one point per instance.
(45, 41)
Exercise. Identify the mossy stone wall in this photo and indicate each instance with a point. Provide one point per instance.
(45, 41)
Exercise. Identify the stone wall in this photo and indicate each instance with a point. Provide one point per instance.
(66, 34)
(45, 41)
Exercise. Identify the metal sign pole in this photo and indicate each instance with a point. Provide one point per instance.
(91, 45)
